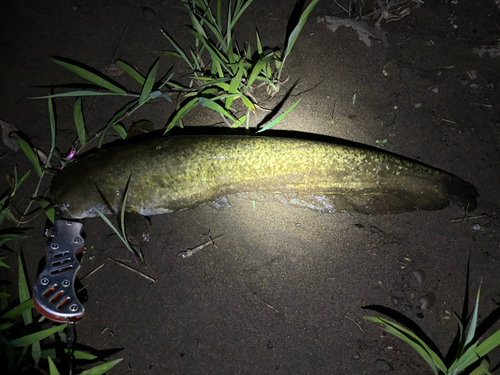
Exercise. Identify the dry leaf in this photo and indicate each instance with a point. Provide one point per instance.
(112, 70)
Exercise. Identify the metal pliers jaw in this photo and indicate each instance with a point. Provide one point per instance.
(54, 292)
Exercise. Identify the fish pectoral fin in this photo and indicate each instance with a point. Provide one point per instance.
(222, 202)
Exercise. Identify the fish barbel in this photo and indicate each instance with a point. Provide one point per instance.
(175, 173)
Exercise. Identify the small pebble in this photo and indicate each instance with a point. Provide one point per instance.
(419, 275)
(418, 105)
(473, 74)
(395, 301)
(474, 86)
(355, 356)
(148, 13)
(382, 365)
(427, 301)
(420, 315)
(476, 227)
(435, 90)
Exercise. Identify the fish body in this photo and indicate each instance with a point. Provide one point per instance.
(175, 173)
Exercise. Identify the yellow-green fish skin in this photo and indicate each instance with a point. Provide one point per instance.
(174, 173)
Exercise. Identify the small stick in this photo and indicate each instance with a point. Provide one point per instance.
(133, 270)
(92, 272)
(190, 252)
(483, 105)
(445, 120)
(469, 218)
(356, 324)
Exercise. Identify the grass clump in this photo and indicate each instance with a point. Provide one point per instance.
(469, 353)
(221, 71)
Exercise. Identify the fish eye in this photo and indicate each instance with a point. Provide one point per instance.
(65, 204)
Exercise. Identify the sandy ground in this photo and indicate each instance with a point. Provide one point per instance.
(284, 289)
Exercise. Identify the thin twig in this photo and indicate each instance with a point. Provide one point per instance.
(190, 252)
(92, 272)
(469, 218)
(352, 320)
(133, 270)
(483, 105)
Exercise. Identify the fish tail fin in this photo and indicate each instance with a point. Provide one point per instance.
(461, 192)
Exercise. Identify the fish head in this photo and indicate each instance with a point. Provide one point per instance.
(76, 198)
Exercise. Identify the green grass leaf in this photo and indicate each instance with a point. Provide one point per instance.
(278, 119)
(79, 124)
(44, 203)
(258, 67)
(76, 353)
(248, 103)
(24, 293)
(131, 71)
(89, 76)
(432, 359)
(239, 9)
(19, 309)
(216, 107)
(28, 151)
(83, 93)
(117, 232)
(101, 369)
(472, 328)
(115, 118)
(148, 85)
(53, 131)
(120, 130)
(179, 50)
(180, 113)
(52, 367)
(465, 360)
(296, 31)
(37, 336)
(489, 344)
(2, 264)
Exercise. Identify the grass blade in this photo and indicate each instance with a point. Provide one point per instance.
(110, 124)
(120, 130)
(148, 85)
(117, 232)
(489, 344)
(52, 367)
(79, 124)
(44, 203)
(472, 328)
(19, 309)
(281, 117)
(216, 107)
(53, 130)
(101, 369)
(76, 353)
(239, 9)
(24, 293)
(295, 33)
(131, 71)
(37, 336)
(29, 153)
(89, 76)
(258, 67)
(179, 50)
(468, 358)
(82, 93)
(185, 109)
